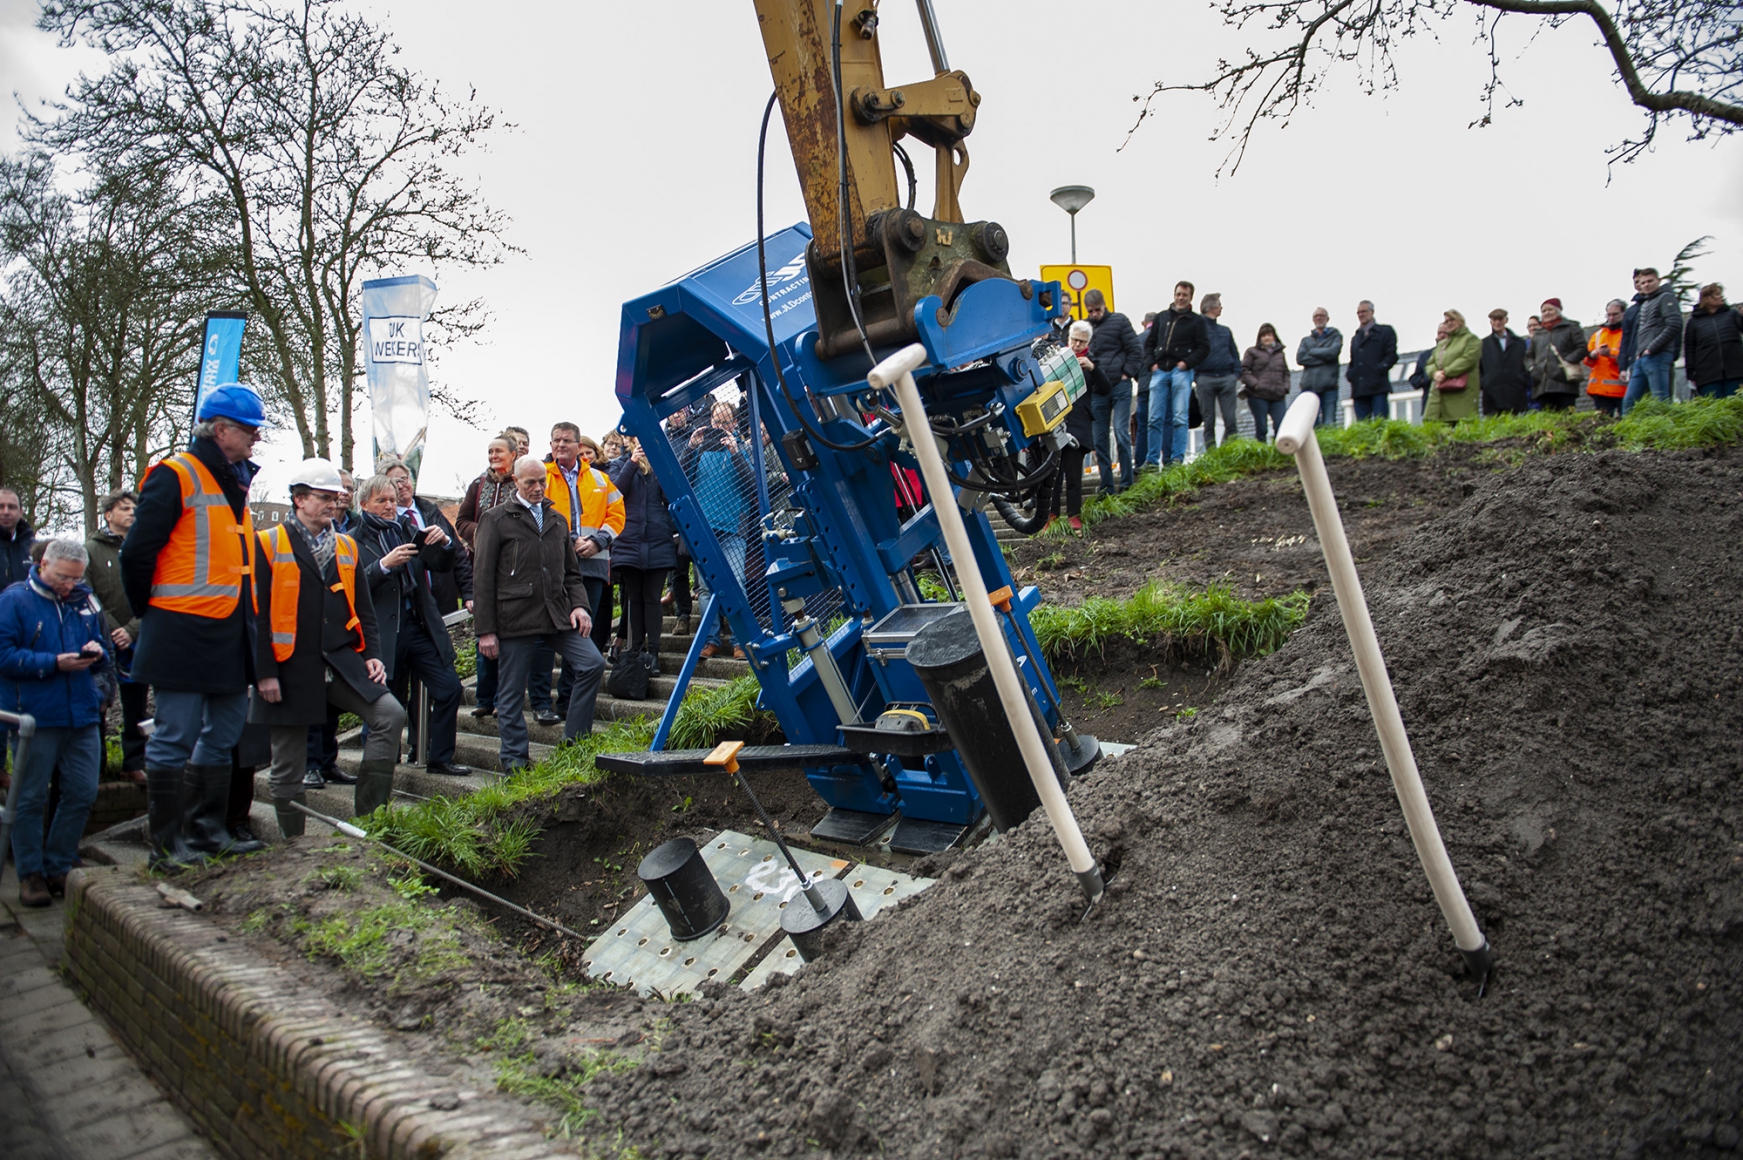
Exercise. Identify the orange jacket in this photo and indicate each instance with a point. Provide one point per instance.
(1606, 376)
(601, 502)
(209, 557)
(287, 581)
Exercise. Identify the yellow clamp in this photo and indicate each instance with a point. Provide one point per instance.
(726, 755)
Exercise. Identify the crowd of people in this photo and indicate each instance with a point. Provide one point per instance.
(1142, 379)
(228, 647)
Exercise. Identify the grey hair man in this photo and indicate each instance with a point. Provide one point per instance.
(1218, 380)
(529, 592)
(52, 633)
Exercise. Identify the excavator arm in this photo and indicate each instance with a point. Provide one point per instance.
(872, 260)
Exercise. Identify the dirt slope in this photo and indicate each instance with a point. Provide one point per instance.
(1269, 975)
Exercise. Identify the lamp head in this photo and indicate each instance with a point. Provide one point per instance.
(1072, 198)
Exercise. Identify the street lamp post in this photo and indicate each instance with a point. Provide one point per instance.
(1072, 198)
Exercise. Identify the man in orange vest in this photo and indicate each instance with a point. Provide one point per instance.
(317, 646)
(187, 565)
(1604, 376)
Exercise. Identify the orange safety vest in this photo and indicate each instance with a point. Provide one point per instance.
(601, 502)
(1606, 375)
(203, 568)
(287, 579)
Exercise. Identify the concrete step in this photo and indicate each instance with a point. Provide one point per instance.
(124, 844)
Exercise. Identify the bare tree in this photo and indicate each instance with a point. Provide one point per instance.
(335, 160)
(95, 316)
(1677, 59)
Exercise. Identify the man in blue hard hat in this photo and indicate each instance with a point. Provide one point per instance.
(187, 565)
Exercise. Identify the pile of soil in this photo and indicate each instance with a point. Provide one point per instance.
(1268, 973)
(1255, 533)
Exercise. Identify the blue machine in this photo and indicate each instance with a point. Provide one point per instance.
(824, 603)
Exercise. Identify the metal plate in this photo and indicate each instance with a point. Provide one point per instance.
(751, 759)
(889, 637)
(872, 888)
(640, 952)
(914, 836)
(853, 827)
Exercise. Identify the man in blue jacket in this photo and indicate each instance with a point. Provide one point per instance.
(1219, 374)
(51, 638)
(1373, 354)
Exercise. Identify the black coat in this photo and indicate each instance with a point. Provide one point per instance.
(1078, 421)
(15, 553)
(1506, 382)
(1372, 356)
(323, 642)
(646, 539)
(388, 589)
(178, 650)
(1116, 348)
(1713, 346)
(528, 579)
(453, 587)
(1176, 336)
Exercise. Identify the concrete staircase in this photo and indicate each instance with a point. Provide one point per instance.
(477, 740)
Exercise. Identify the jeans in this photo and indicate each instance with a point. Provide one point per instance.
(1650, 372)
(132, 713)
(1113, 414)
(195, 728)
(732, 546)
(1328, 409)
(516, 654)
(486, 688)
(1263, 409)
(1170, 402)
(1141, 429)
(1371, 407)
(415, 653)
(78, 751)
(1720, 390)
(1217, 393)
(384, 716)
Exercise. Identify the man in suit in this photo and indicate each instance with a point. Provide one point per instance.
(318, 645)
(398, 561)
(1373, 354)
(453, 588)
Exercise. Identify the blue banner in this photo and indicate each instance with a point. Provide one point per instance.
(221, 353)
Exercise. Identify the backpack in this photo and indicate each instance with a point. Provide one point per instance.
(629, 678)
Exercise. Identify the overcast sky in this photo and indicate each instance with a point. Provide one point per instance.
(633, 162)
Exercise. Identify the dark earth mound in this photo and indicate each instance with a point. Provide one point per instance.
(1254, 533)
(1269, 974)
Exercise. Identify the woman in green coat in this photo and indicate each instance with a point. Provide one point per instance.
(1454, 360)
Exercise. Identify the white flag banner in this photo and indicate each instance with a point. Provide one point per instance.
(394, 313)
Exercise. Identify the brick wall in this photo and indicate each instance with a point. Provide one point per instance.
(261, 1065)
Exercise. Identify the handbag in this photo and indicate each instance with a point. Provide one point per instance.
(629, 679)
(1456, 383)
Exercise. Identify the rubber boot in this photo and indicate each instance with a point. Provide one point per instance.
(290, 821)
(206, 790)
(163, 798)
(374, 785)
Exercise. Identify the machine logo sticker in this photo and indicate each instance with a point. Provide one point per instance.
(777, 278)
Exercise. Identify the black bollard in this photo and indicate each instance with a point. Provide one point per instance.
(948, 659)
(683, 888)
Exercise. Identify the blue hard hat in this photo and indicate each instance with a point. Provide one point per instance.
(235, 402)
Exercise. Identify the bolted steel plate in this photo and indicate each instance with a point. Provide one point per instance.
(872, 889)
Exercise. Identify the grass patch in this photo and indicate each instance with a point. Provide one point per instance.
(466, 661)
(363, 941)
(1650, 426)
(708, 712)
(1174, 619)
(518, 1073)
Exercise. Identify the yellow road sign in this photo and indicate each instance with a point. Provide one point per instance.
(1076, 279)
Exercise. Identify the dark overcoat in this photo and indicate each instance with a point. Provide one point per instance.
(528, 578)
(322, 642)
(646, 539)
(386, 588)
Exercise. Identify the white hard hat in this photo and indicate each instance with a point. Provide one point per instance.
(319, 474)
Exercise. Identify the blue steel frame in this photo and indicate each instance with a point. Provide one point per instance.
(706, 330)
